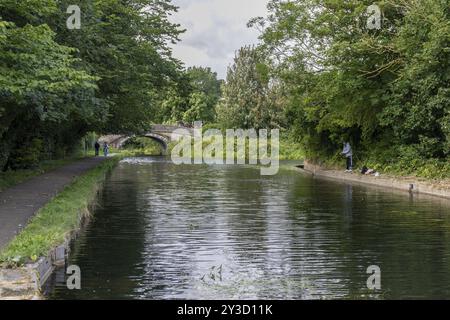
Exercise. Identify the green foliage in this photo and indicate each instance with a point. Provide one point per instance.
(387, 91)
(250, 99)
(27, 156)
(290, 149)
(125, 43)
(406, 160)
(205, 95)
(58, 84)
(143, 146)
(199, 108)
(193, 97)
(13, 177)
(41, 89)
(204, 80)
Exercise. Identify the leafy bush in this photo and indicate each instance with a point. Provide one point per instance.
(27, 156)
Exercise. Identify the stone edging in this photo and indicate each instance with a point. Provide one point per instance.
(411, 185)
(26, 283)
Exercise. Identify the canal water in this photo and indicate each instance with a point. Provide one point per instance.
(162, 231)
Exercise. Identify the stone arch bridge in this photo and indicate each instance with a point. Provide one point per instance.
(163, 134)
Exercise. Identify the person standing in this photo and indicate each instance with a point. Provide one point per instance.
(348, 153)
(97, 148)
(105, 149)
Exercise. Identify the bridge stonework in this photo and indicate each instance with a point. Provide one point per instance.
(163, 134)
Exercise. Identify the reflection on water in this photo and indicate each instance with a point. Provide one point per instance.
(225, 232)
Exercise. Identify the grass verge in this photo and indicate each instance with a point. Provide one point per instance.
(57, 219)
(422, 169)
(13, 177)
(288, 149)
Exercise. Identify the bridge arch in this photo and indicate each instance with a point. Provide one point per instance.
(162, 141)
(162, 134)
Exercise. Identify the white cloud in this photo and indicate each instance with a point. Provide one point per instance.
(215, 30)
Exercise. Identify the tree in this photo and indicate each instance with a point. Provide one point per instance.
(199, 109)
(250, 98)
(205, 96)
(380, 88)
(58, 84)
(193, 97)
(40, 87)
(125, 43)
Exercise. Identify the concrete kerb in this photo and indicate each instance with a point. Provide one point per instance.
(411, 185)
(26, 283)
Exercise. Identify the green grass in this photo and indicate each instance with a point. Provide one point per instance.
(430, 169)
(288, 149)
(57, 219)
(397, 166)
(13, 177)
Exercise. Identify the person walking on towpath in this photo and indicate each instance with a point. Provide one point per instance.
(97, 148)
(105, 149)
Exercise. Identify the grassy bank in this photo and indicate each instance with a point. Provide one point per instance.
(57, 219)
(13, 177)
(405, 165)
(430, 169)
(288, 148)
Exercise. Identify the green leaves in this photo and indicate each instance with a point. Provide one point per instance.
(36, 71)
(59, 84)
(250, 100)
(27, 11)
(367, 85)
(199, 109)
(192, 96)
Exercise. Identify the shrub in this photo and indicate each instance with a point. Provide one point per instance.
(27, 156)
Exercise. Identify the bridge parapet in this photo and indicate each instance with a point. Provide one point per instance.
(161, 128)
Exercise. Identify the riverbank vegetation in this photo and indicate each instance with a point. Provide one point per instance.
(13, 177)
(321, 74)
(115, 74)
(53, 223)
(318, 74)
(58, 84)
(387, 91)
(141, 146)
(322, 77)
(33, 165)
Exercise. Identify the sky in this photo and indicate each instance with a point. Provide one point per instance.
(215, 30)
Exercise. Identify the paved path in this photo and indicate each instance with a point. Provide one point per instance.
(19, 203)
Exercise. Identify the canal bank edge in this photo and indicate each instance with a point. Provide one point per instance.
(408, 184)
(26, 282)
